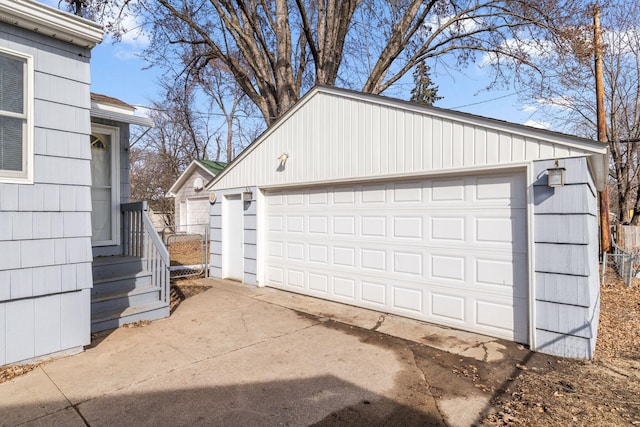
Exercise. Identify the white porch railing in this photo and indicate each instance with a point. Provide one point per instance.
(141, 240)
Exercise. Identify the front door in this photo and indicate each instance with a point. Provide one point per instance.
(104, 197)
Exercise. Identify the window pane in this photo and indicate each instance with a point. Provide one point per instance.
(11, 144)
(11, 84)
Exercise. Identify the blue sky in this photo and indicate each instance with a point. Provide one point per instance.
(119, 70)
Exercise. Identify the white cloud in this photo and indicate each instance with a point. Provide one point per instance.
(562, 102)
(537, 124)
(529, 108)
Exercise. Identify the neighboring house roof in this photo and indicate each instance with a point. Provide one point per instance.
(213, 166)
(334, 134)
(107, 107)
(40, 18)
(209, 167)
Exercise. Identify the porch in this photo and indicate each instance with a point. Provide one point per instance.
(132, 285)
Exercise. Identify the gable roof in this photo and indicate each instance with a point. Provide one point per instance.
(57, 24)
(209, 167)
(334, 134)
(212, 166)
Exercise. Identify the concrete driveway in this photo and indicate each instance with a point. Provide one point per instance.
(244, 356)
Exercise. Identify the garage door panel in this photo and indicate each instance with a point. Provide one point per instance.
(275, 223)
(344, 225)
(407, 192)
(319, 254)
(318, 224)
(374, 194)
(295, 278)
(275, 275)
(407, 299)
(408, 263)
(374, 293)
(495, 315)
(447, 228)
(447, 267)
(373, 226)
(295, 224)
(295, 251)
(447, 306)
(408, 227)
(373, 259)
(450, 251)
(319, 282)
(344, 195)
(344, 287)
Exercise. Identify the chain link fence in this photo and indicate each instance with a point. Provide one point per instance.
(188, 247)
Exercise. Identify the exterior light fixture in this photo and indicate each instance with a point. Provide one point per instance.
(555, 176)
(247, 196)
(212, 197)
(283, 157)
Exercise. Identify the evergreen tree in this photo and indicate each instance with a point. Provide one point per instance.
(423, 92)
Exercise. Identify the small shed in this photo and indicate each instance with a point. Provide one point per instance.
(422, 212)
(191, 201)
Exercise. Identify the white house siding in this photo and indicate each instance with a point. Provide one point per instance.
(125, 187)
(45, 228)
(566, 266)
(186, 192)
(335, 137)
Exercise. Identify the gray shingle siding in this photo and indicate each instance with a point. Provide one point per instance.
(566, 261)
(45, 228)
(249, 236)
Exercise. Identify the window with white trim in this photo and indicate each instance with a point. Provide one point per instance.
(16, 141)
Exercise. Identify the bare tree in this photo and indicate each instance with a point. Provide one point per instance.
(276, 49)
(565, 89)
(181, 135)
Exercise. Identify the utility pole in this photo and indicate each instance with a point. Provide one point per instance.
(605, 236)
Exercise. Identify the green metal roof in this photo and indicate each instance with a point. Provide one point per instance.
(211, 166)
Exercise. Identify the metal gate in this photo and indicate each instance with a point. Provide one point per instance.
(188, 247)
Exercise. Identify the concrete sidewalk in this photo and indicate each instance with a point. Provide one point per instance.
(240, 355)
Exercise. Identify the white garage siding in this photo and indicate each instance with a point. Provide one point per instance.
(452, 251)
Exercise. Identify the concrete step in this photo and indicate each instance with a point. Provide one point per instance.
(112, 266)
(116, 318)
(120, 300)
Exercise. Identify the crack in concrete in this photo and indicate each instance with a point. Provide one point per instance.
(244, 322)
(71, 405)
(379, 322)
(427, 385)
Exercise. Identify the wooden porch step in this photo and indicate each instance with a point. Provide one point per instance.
(111, 266)
(122, 299)
(120, 283)
(116, 318)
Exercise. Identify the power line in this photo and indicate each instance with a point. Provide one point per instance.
(483, 102)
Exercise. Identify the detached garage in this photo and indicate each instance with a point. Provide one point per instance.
(422, 212)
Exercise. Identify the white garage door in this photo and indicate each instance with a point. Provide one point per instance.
(450, 251)
(197, 213)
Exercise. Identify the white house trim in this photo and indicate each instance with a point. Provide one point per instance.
(114, 133)
(40, 18)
